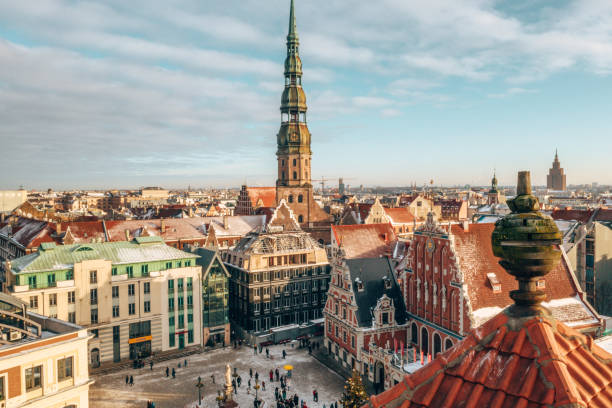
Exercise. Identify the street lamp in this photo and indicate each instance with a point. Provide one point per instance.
(199, 385)
(256, 402)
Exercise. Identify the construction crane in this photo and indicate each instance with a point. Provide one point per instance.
(322, 182)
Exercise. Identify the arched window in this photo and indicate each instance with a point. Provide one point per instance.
(295, 175)
(414, 331)
(283, 175)
(437, 344)
(424, 340)
(282, 162)
(300, 218)
(294, 162)
(300, 198)
(448, 344)
(291, 198)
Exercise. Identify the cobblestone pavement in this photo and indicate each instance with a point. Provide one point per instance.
(110, 390)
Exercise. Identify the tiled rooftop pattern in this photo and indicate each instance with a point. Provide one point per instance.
(511, 362)
(365, 240)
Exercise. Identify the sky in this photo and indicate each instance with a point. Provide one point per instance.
(124, 94)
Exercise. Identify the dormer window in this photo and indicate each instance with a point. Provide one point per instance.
(359, 285)
(387, 282)
(385, 318)
(494, 282)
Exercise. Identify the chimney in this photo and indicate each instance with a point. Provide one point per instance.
(466, 225)
(58, 228)
(163, 226)
(225, 222)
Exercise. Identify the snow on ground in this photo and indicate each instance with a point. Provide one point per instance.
(110, 391)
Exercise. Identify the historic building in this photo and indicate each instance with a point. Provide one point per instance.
(135, 297)
(494, 196)
(215, 298)
(43, 362)
(523, 356)
(452, 284)
(400, 218)
(556, 176)
(293, 184)
(279, 275)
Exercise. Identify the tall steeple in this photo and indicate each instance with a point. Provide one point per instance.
(556, 179)
(293, 138)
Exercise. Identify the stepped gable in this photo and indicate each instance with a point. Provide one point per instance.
(522, 357)
(364, 240)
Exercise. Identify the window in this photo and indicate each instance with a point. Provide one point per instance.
(94, 316)
(70, 275)
(93, 296)
(95, 333)
(33, 378)
(179, 284)
(181, 302)
(171, 339)
(168, 265)
(295, 175)
(114, 271)
(353, 341)
(131, 289)
(190, 336)
(171, 321)
(300, 218)
(147, 306)
(188, 263)
(33, 302)
(32, 281)
(53, 299)
(300, 198)
(130, 271)
(132, 308)
(2, 388)
(144, 270)
(291, 198)
(171, 304)
(190, 301)
(93, 276)
(181, 321)
(179, 264)
(171, 286)
(189, 284)
(147, 287)
(116, 311)
(385, 318)
(72, 317)
(64, 368)
(71, 297)
(51, 279)
(190, 318)
(115, 291)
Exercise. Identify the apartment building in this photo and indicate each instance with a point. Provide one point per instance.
(135, 297)
(43, 361)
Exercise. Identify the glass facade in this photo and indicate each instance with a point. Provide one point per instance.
(215, 294)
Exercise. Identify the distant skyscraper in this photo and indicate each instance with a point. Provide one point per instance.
(556, 176)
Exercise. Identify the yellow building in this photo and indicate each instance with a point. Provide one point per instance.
(43, 361)
(136, 297)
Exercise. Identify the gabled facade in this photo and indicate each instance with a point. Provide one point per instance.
(453, 284)
(400, 218)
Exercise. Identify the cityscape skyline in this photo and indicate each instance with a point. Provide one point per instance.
(132, 95)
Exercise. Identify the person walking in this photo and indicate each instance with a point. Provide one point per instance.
(271, 375)
(131, 380)
(151, 364)
(185, 363)
(284, 354)
(249, 383)
(251, 372)
(267, 352)
(276, 393)
(277, 374)
(239, 380)
(254, 349)
(256, 376)
(127, 379)
(234, 383)
(263, 385)
(167, 372)
(212, 376)
(173, 373)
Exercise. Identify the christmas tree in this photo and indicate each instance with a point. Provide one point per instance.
(354, 395)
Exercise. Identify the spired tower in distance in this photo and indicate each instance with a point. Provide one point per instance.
(293, 141)
(556, 179)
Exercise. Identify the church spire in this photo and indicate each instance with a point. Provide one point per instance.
(292, 36)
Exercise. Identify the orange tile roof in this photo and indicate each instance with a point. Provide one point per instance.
(365, 240)
(476, 259)
(266, 194)
(510, 362)
(400, 215)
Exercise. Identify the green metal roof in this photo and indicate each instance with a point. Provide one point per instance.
(63, 257)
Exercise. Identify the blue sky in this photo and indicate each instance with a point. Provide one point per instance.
(125, 94)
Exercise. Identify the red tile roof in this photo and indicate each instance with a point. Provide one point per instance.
(365, 240)
(363, 210)
(510, 362)
(476, 259)
(266, 194)
(572, 215)
(399, 215)
(83, 231)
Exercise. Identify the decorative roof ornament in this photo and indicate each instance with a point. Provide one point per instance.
(527, 241)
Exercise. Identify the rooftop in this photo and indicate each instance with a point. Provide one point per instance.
(364, 240)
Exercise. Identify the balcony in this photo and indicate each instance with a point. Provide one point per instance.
(119, 278)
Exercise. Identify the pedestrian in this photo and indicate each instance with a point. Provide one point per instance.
(167, 372)
(185, 363)
(309, 349)
(267, 352)
(284, 394)
(131, 380)
(256, 376)
(254, 349)
(127, 379)
(249, 383)
(173, 373)
(179, 364)
(251, 372)
(277, 374)
(239, 380)
(263, 385)
(151, 364)
(284, 354)
(276, 393)
(271, 375)
(212, 376)
(234, 383)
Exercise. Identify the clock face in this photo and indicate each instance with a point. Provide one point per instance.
(430, 245)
